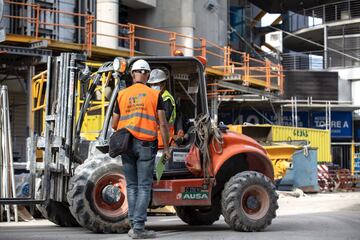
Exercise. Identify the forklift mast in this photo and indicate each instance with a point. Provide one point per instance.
(58, 138)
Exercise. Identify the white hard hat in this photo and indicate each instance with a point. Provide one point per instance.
(157, 76)
(140, 65)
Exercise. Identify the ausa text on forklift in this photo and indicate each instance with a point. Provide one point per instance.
(82, 185)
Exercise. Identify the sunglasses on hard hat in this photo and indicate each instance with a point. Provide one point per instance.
(141, 71)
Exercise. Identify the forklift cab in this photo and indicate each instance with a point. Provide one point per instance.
(185, 82)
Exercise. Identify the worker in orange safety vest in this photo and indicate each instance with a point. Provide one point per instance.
(139, 109)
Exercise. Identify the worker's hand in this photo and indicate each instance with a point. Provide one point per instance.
(179, 137)
(180, 134)
(167, 154)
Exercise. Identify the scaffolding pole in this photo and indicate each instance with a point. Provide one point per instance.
(8, 189)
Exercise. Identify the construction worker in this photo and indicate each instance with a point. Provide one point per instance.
(140, 110)
(157, 81)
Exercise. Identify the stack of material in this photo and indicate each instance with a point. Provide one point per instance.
(345, 179)
(326, 178)
(331, 178)
(6, 157)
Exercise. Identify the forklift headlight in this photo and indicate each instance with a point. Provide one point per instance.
(119, 64)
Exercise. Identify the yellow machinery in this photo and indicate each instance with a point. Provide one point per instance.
(38, 103)
(281, 157)
(94, 118)
(270, 134)
(37, 119)
(281, 154)
(95, 115)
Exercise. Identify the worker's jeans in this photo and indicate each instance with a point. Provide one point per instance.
(138, 165)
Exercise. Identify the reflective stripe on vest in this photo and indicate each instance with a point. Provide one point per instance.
(141, 130)
(138, 111)
(167, 96)
(141, 115)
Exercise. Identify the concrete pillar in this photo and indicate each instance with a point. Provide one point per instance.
(188, 42)
(169, 15)
(107, 10)
(187, 26)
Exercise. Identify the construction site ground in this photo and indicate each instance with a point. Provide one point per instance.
(316, 216)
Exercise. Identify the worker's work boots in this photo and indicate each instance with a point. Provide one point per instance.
(144, 234)
(131, 232)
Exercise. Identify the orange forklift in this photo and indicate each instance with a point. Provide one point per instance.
(82, 185)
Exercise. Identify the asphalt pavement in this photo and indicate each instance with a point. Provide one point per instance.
(319, 216)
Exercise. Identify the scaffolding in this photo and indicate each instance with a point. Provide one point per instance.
(8, 189)
(236, 67)
(328, 105)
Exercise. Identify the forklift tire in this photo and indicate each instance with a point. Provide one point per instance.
(85, 196)
(196, 215)
(249, 202)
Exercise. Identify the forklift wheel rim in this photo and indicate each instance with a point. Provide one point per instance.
(262, 198)
(113, 210)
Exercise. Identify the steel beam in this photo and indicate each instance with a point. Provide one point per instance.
(246, 89)
(39, 44)
(25, 51)
(21, 201)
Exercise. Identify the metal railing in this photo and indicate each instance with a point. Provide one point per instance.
(255, 70)
(332, 12)
(132, 36)
(312, 60)
(317, 60)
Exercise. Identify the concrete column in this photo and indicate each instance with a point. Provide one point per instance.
(169, 15)
(187, 26)
(188, 42)
(107, 10)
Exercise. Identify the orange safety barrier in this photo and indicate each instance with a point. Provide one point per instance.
(253, 71)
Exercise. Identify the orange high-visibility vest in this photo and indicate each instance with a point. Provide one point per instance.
(171, 135)
(138, 111)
